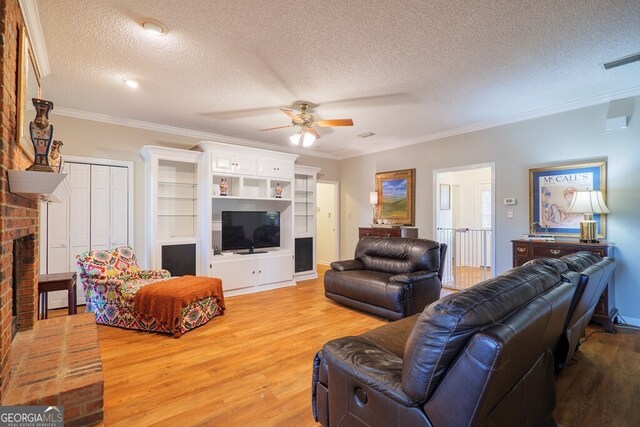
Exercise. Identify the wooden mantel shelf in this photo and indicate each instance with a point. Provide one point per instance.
(46, 186)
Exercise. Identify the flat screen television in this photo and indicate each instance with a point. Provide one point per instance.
(250, 230)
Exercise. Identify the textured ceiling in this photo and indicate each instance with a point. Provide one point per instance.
(406, 71)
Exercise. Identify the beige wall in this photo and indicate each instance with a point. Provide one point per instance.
(88, 138)
(573, 136)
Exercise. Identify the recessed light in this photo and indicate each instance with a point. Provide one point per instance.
(153, 26)
(133, 84)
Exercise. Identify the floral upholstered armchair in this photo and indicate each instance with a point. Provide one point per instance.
(112, 278)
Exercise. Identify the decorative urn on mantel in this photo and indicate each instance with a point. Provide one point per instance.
(38, 181)
(41, 133)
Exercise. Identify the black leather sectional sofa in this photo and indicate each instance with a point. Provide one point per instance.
(484, 356)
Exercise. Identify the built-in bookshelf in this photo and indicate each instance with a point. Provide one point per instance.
(305, 221)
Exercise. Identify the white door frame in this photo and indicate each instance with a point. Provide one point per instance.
(336, 184)
(436, 205)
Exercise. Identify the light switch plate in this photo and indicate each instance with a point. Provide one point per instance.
(510, 201)
(509, 212)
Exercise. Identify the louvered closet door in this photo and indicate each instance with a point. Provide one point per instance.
(100, 207)
(119, 221)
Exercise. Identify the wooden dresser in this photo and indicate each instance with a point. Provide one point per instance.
(408, 232)
(525, 250)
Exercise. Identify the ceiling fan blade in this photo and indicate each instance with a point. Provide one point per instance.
(314, 132)
(292, 115)
(278, 127)
(334, 122)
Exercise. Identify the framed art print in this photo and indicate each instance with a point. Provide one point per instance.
(551, 190)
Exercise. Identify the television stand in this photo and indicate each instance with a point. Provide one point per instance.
(251, 252)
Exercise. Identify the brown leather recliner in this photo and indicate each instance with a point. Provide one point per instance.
(389, 277)
(479, 357)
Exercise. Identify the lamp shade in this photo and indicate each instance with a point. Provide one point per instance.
(588, 202)
(373, 197)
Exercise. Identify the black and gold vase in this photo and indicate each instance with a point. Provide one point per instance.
(41, 133)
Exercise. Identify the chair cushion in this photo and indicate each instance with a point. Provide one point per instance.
(129, 288)
(397, 256)
(119, 263)
(371, 287)
(580, 260)
(393, 336)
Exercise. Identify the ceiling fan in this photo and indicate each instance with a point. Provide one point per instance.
(305, 121)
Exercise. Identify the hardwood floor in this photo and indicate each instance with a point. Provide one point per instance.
(252, 367)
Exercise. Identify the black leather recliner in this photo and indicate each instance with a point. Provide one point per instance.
(483, 356)
(389, 277)
(591, 274)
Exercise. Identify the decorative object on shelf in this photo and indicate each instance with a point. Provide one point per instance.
(396, 197)
(445, 197)
(55, 157)
(551, 193)
(224, 187)
(588, 203)
(373, 200)
(278, 191)
(41, 132)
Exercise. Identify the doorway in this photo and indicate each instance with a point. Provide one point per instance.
(464, 211)
(327, 222)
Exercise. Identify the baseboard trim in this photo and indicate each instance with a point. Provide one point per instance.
(630, 320)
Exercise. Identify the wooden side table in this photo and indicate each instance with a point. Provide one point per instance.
(56, 282)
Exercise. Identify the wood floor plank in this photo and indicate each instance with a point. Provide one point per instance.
(253, 366)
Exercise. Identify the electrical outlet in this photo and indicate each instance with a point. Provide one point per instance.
(509, 212)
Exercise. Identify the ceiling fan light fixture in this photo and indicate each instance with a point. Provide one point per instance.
(295, 138)
(308, 139)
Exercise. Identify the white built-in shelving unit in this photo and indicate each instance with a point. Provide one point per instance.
(172, 201)
(305, 221)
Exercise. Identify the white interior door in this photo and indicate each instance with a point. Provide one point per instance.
(100, 212)
(119, 219)
(326, 223)
(80, 216)
(58, 245)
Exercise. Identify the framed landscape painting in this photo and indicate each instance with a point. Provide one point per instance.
(396, 197)
(551, 191)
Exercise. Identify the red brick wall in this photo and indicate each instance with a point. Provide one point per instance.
(18, 216)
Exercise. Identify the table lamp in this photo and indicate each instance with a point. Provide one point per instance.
(373, 200)
(588, 203)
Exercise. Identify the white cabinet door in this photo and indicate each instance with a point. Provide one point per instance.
(222, 162)
(244, 165)
(44, 246)
(119, 224)
(100, 223)
(274, 168)
(236, 274)
(275, 269)
(79, 211)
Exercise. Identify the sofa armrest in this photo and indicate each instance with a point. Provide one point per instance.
(352, 264)
(154, 274)
(416, 276)
(370, 364)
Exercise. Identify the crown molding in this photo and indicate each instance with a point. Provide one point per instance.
(196, 134)
(204, 136)
(31, 18)
(534, 114)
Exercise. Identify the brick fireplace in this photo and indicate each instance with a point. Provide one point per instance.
(18, 215)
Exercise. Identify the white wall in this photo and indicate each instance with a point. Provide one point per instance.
(108, 141)
(568, 137)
